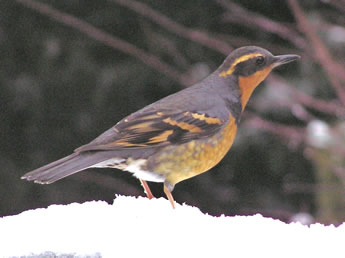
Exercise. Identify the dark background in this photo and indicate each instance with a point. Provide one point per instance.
(69, 70)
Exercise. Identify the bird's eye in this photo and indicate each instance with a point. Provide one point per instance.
(260, 60)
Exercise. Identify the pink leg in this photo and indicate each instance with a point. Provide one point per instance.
(170, 197)
(147, 189)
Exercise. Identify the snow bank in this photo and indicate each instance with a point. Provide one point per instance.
(138, 227)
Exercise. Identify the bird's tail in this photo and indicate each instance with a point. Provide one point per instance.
(64, 167)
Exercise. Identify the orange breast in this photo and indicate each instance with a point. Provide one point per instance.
(178, 163)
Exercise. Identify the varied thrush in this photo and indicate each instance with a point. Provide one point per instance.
(179, 136)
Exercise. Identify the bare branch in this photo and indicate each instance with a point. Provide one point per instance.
(107, 39)
(238, 41)
(339, 5)
(321, 53)
(161, 44)
(339, 172)
(329, 107)
(240, 15)
(194, 35)
(293, 134)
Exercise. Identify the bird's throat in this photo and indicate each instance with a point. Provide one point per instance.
(248, 84)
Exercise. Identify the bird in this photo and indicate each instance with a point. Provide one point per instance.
(179, 136)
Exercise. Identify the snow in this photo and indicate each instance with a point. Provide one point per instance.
(319, 134)
(138, 227)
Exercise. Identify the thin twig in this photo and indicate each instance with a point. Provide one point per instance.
(294, 134)
(321, 53)
(329, 107)
(339, 173)
(161, 44)
(240, 15)
(337, 4)
(107, 39)
(238, 41)
(199, 37)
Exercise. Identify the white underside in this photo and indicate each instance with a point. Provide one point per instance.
(134, 167)
(115, 162)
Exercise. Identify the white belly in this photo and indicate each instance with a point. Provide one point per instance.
(134, 167)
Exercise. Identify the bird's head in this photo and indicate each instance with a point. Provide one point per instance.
(251, 65)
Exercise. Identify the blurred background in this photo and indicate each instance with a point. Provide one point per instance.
(69, 70)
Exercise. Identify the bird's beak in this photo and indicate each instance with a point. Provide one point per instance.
(284, 59)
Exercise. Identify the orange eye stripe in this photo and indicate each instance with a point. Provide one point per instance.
(237, 61)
